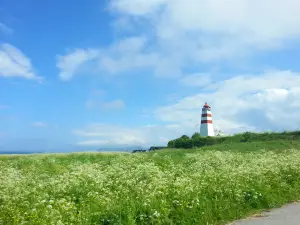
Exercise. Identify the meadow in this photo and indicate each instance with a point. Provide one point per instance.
(211, 185)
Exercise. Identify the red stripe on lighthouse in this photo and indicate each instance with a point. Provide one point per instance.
(206, 115)
(206, 121)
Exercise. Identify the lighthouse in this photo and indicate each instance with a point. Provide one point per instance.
(206, 127)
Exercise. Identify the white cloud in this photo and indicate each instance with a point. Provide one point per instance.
(97, 101)
(261, 102)
(93, 143)
(251, 22)
(137, 7)
(120, 56)
(122, 24)
(71, 63)
(113, 105)
(166, 36)
(128, 54)
(39, 124)
(5, 29)
(108, 135)
(117, 57)
(202, 31)
(197, 79)
(13, 63)
(256, 102)
(124, 140)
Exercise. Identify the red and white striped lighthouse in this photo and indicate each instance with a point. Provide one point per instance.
(206, 128)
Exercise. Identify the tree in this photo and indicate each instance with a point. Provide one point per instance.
(198, 141)
(171, 144)
(246, 137)
(185, 137)
(210, 140)
(183, 142)
(196, 135)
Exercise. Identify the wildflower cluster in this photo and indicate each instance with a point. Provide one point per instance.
(199, 188)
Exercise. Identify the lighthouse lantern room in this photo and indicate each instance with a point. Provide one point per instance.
(206, 127)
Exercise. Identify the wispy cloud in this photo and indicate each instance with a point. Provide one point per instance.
(5, 29)
(13, 63)
(197, 80)
(71, 63)
(113, 105)
(110, 134)
(98, 92)
(105, 135)
(125, 55)
(39, 124)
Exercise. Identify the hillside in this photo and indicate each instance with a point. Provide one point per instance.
(209, 185)
(196, 141)
(275, 145)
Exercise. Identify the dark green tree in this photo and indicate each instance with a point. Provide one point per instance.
(196, 135)
(171, 144)
(185, 137)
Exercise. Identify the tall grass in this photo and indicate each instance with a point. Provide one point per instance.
(163, 187)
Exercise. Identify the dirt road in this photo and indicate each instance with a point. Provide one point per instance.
(286, 215)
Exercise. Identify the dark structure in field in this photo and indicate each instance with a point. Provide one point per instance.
(152, 148)
(140, 150)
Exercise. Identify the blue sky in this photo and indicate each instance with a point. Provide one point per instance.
(135, 72)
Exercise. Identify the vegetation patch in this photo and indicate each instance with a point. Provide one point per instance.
(196, 141)
(197, 186)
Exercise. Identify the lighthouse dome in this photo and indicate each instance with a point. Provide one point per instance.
(206, 106)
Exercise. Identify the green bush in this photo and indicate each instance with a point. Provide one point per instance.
(197, 141)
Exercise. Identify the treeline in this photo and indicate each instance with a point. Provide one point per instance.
(197, 141)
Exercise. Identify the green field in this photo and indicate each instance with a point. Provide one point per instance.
(211, 185)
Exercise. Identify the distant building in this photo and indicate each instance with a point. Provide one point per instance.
(206, 127)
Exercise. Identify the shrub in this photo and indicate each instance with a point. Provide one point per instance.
(197, 141)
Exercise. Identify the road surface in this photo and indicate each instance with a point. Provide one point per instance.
(286, 215)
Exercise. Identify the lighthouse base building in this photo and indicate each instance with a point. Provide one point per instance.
(206, 127)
